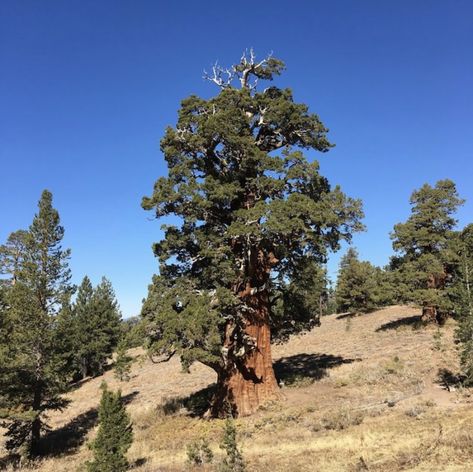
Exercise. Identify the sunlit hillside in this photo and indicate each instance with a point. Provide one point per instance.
(374, 392)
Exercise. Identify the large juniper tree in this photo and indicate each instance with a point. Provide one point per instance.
(425, 260)
(252, 214)
(31, 369)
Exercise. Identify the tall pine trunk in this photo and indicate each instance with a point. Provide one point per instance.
(36, 424)
(248, 380)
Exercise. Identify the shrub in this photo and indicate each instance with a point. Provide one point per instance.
(199, 452)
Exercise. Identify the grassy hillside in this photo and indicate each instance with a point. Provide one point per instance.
(375, 392)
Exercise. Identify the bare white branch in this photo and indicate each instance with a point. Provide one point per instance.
(220, 76)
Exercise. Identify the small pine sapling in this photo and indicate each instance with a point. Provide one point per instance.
(114, 436)
(233, 462)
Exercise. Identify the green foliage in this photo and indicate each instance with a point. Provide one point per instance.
(425, 262)
(123, 361)
(32, 373)
(102, 326)
(199, 453)
(385, 292)
(462, 295)
(252, 213)
(331, 301)
(66, 337)
(233, 462)
(90, 329)
(463, 300)
(305, 297)
(356, 284)
(114, 436)
(133, 329)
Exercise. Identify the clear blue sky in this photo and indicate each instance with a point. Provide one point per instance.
(88, 86)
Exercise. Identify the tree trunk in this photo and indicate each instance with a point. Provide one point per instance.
(36, 424)
(247, 380)
(429, 314)
(83, 368)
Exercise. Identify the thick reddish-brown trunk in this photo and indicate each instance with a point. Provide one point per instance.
(431, 313)
(247, 381)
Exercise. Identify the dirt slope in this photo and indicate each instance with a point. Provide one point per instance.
(372, 392)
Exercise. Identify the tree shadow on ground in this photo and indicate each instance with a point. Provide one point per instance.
(413, 321)
(303, 369)
(195, 404)
(68, 438)
(448, 379)
(344, 316)
(78, 383)
(295, 370)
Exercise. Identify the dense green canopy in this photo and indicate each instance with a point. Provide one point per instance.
(251, 213)
(32, 370)
(425, 260)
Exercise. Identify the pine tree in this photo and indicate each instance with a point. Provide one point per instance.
(123, 361)
(356, 284)
(385, 290)
(12, 255)
(233, 462)
(424, 261)
(253, 213)
(133, 329)
(96, 328)
(106, 326)
(114, 435)
(84, 328)
(66, 341)
(463, 300)
(32, 375)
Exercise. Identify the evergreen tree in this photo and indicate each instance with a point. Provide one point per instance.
(253, 213)
(66, 338)
(106, 326)
(233, 462)
(32, 374)
(385, 290)
(96, 327)
(133, 329)
(84, 329)
(463, 300)
(114, 436)
(424, 261)
(123, 361)
(356, 284)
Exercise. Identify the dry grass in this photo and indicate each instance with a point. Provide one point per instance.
(366, 398)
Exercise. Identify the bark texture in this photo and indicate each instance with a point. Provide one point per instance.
(247, 380)
(431, 313)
